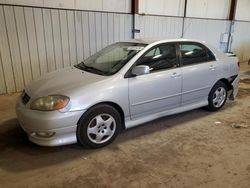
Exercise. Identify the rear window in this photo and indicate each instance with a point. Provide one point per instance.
(193, 53)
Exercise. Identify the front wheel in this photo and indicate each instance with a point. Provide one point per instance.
(99, 126)
(217, 96)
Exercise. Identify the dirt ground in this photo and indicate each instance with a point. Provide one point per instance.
(192, 149)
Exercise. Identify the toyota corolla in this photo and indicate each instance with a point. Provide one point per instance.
(124, 85)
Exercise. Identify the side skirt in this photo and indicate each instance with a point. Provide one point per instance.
(132, 123)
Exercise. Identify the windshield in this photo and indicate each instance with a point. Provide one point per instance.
(111, 59)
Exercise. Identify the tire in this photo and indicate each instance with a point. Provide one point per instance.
(217, 96)
(99, 126)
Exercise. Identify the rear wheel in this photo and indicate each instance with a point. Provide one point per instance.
(217, 96)
(99, 126)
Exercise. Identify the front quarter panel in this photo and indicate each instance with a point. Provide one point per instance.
(113, 89)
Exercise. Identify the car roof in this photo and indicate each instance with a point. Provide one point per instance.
(159, 40)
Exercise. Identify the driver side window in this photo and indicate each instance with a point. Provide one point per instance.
(161, 57)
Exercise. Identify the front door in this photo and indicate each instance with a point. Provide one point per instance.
(159, 90)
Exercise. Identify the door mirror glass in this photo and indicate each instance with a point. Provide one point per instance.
(140, 70)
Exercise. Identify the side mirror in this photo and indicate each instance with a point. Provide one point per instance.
(140, 70)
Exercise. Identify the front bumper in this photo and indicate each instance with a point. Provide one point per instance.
(61, 124)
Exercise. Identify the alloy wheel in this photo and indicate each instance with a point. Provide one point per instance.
(219, 97)
(101, 128)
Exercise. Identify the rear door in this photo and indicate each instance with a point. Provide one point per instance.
(199, 72)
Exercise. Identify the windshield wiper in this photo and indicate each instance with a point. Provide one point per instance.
(82, 66)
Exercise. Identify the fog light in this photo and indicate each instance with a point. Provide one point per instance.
(43, 134)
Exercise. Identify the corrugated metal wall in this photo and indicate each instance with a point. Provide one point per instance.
(208, 30)
(123, 6)
(217, 9)
(206, 20)
(162, 7)
(39, 40)
(241, 36)
(241, 40)
(34, 41)
(158, 26)
(242, 10)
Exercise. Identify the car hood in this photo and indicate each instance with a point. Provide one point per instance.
(62, 82)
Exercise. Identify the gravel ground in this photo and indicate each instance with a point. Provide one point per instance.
(192, 149)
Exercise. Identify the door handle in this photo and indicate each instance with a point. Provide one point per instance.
(175, 75)
(212, 67)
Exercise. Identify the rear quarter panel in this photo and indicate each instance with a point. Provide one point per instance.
(226, 66)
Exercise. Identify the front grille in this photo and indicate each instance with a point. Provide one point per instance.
(25, 97)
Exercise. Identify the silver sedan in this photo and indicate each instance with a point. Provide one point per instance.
(124, 85)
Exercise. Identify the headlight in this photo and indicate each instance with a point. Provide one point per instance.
(49, 103)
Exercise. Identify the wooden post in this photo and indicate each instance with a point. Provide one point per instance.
(232, 9)
(183, 21)
(135, 6)
(231, 18)
(134, 11)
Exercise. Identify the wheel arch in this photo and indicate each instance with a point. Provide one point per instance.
(226, 82)
(211, 105)
(114, 105)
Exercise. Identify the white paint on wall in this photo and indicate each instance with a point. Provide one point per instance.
(217, 9)
(162, 7)
(242, 10)
(94, 5)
